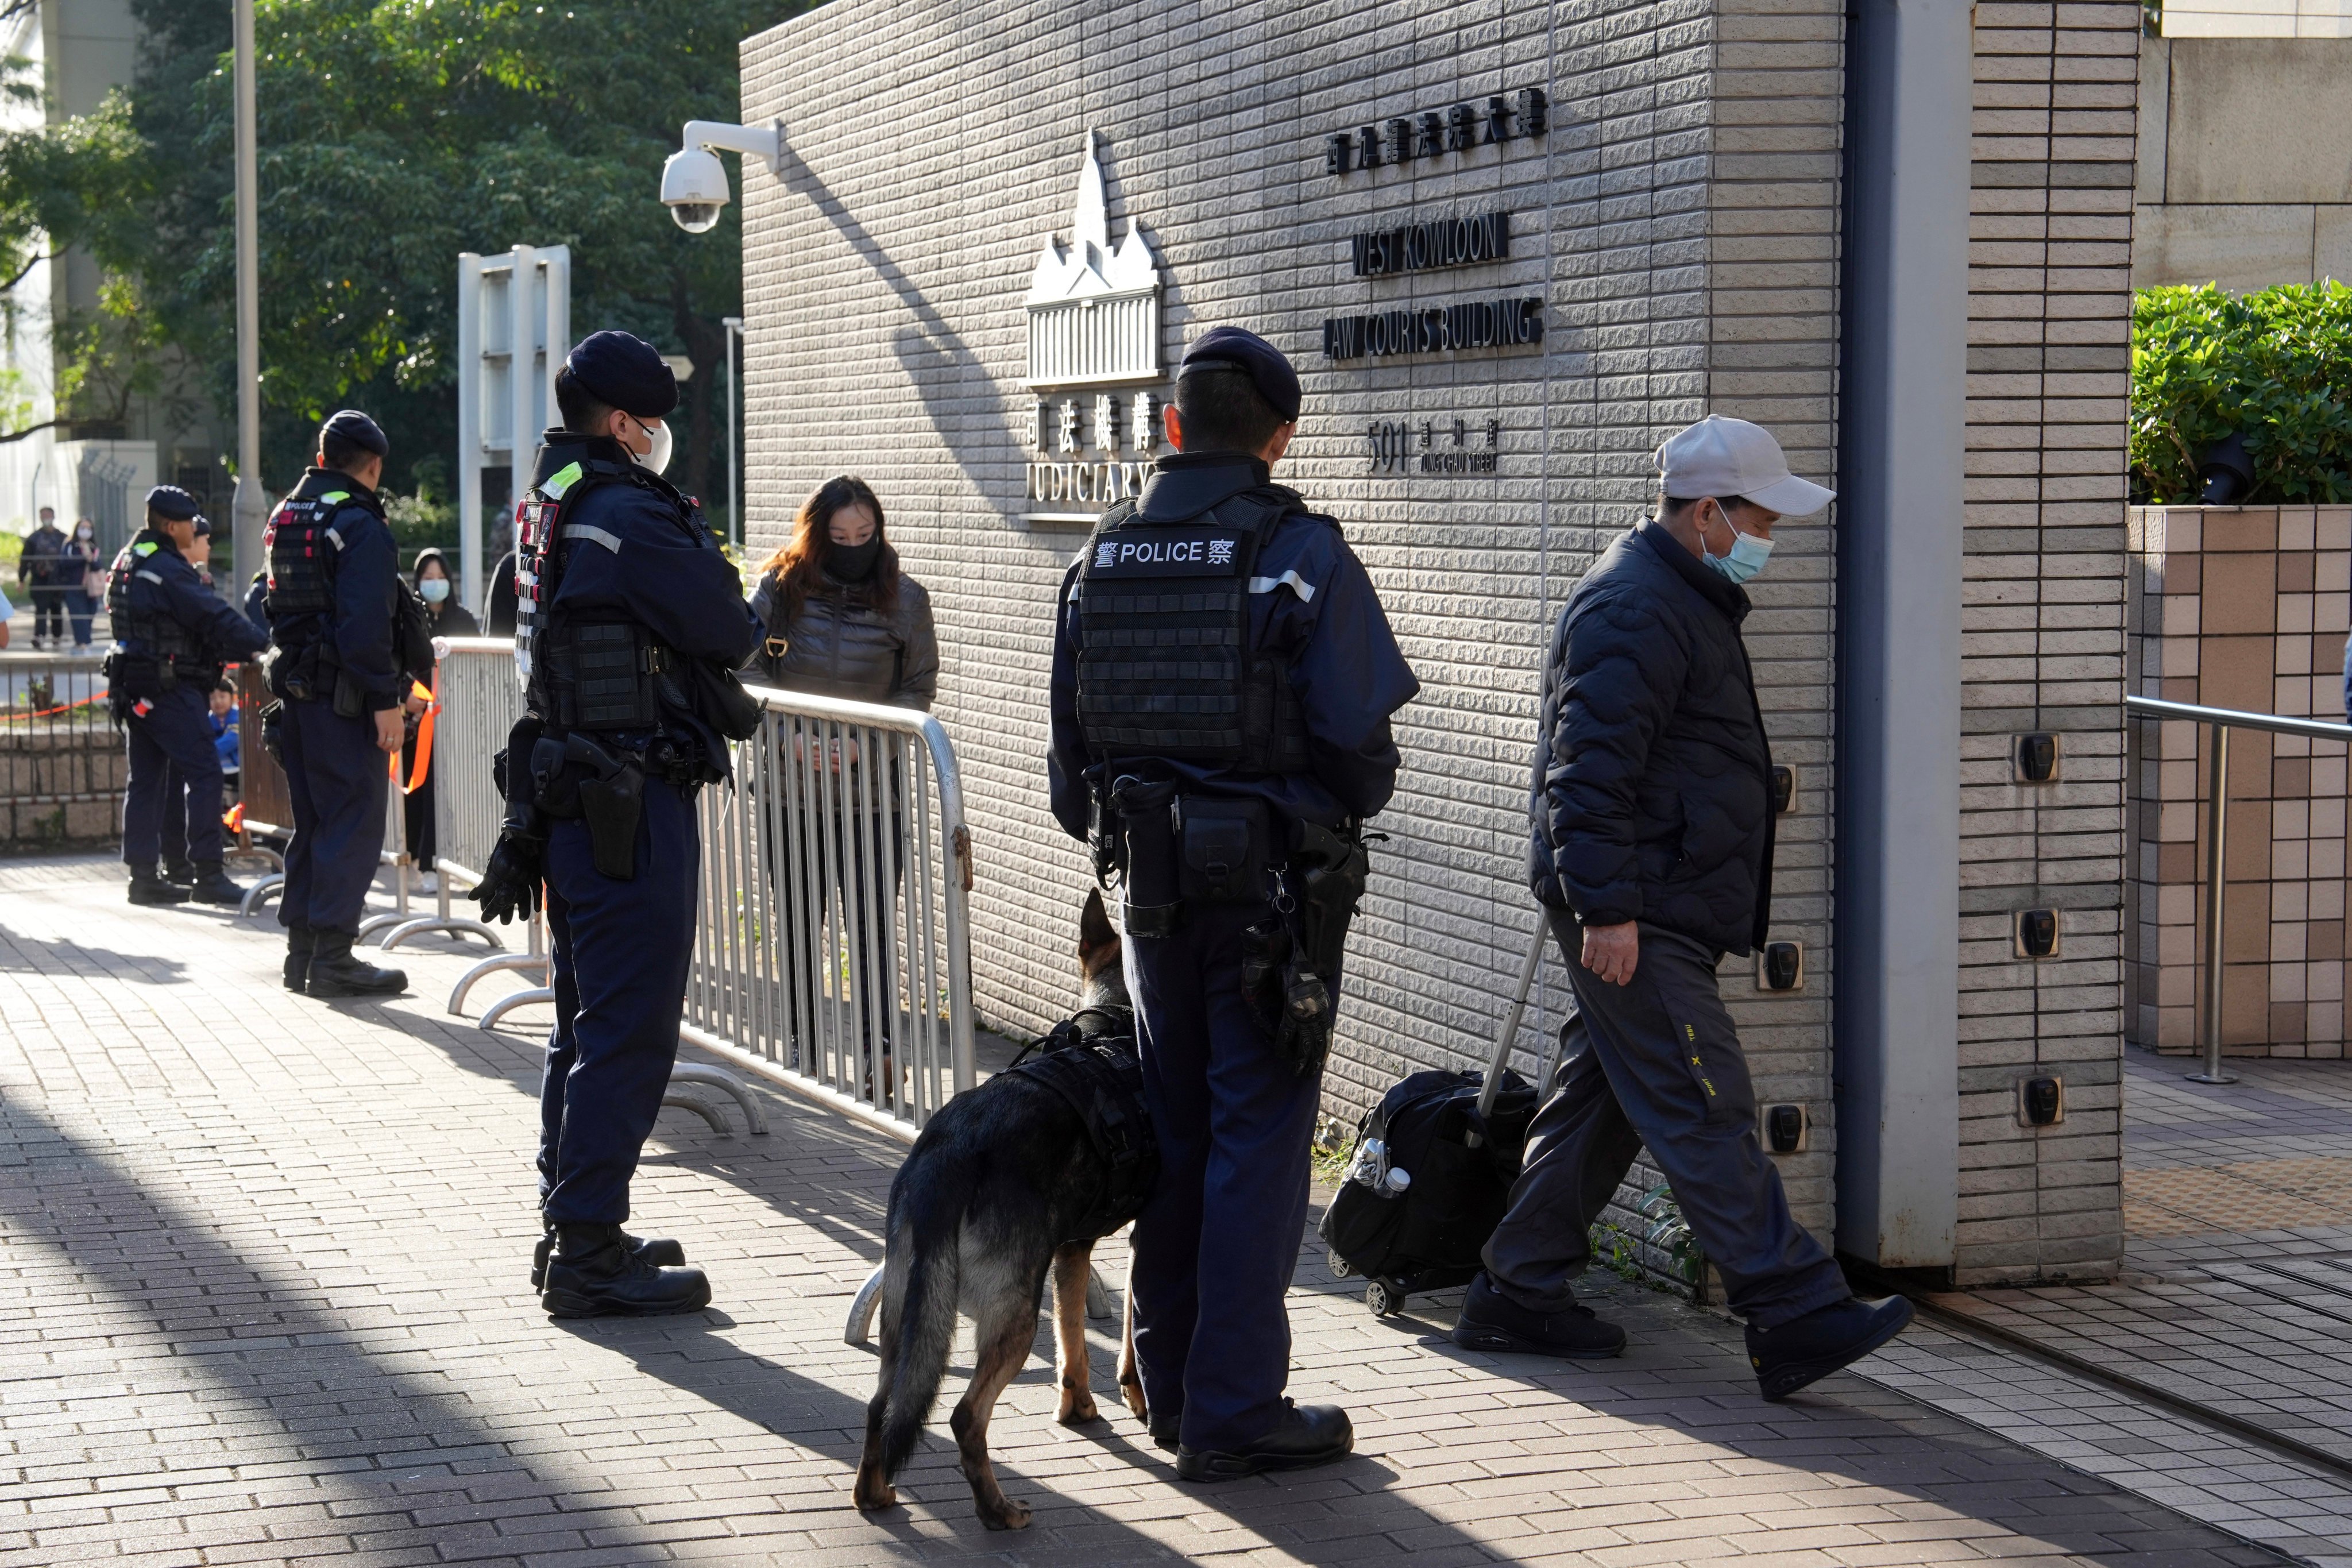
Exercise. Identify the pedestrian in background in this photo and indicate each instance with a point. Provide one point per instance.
(1652, 852)
(842, 620)
(444, 617)
(334, 605)
(36, 569)
(83, 569)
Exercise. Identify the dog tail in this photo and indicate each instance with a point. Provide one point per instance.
(921, 1271)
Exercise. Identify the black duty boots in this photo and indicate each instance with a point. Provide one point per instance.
(147, 888)
(1817, 1344)
(658, 1250)
(592, 1274)
(209, 884)
(1307, 1435)
(1491, 1320)
(334, 971)
(180, 873)
(299, 943)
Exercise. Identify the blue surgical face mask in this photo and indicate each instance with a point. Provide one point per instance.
(1748, 555)
(434, 589)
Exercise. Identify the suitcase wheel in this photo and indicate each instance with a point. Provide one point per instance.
(1385, 1298)
(1340, 1267)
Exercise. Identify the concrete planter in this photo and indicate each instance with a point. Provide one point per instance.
(2247, 608)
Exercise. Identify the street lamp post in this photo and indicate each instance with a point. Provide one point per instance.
(734, 325)
(248, 505)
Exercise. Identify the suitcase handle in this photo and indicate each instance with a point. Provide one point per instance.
(1486, 1092)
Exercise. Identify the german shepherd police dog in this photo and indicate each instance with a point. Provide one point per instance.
(997, 1186)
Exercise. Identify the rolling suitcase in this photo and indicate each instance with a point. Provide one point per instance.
(1431, 1172)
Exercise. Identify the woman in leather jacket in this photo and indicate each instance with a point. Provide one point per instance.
(842, 621)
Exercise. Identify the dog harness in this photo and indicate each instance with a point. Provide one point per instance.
(1091, 1061)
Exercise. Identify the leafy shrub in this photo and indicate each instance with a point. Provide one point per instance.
(2275, 367)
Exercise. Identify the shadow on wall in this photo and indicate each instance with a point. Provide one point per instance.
(945, 373)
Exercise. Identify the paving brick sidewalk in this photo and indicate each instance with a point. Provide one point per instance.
(263, 1300)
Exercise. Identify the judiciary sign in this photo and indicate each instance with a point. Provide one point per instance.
(1093, 420)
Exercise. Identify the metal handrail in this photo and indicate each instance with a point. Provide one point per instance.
(2220, 721)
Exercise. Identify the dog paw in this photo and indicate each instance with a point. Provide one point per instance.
(1012, 1516)
(873, 1494)
(1077, 1409)
(1133, 1393)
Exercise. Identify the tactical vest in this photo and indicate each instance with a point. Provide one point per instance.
(302, 552)
(1165, 665)
(157, 634)
(597, 676)
(1090, 1062)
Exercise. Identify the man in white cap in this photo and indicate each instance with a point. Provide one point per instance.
(1652, 852)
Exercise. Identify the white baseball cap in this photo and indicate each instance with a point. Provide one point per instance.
(1726, 457)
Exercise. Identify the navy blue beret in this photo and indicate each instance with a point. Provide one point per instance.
(351, 425)
(1237, 348)
(204, 526)
(625, 372)
(172, 501)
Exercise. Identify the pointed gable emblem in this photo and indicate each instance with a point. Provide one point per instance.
(1094, 308)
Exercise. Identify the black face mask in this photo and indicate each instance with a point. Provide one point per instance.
(851, 562)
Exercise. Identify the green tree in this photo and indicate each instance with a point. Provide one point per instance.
(394, 134)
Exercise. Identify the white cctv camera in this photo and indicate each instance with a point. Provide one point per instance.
(694, 182)
(694, 188)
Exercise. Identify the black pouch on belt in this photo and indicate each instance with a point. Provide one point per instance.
(273, 731)
(610, 802)
(1149, 903)
(1223, 849)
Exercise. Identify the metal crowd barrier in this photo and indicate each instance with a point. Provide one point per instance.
(2219, 723)
(59, 746)
(481, 700)
(835, 954)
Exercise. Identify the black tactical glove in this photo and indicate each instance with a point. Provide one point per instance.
(510, 882)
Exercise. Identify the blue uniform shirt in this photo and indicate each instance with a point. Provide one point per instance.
(1309, 598)
(163, 583)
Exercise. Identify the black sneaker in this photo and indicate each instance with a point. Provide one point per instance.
(1788, 1357)
(1308, 1435)
(592, 1275)
(658, 1250)
(1491, 1320)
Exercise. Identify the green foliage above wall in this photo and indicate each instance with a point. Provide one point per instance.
(2276, 366)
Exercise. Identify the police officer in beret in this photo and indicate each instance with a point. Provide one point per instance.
(172, 634)
(333, 603)
(630, 625)
(1223, 678)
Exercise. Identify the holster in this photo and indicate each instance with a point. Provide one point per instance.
(273, 731)
(611, 801)
(1325, 878)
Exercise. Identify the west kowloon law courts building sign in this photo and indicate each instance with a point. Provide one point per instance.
(1510, 246)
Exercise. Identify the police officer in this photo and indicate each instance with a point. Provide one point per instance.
(1223, 678)
(630, 625)
(172, 634)
(333, 605)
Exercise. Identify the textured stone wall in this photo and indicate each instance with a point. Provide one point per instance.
(2049, 334)
(2244, 609)
(1680, 220)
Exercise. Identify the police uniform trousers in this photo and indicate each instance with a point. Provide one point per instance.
(618, 954)
(336, 776)
(174, 772)
(1661, 1065)
(1215, 1247)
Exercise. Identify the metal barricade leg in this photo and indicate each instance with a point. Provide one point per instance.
(2216, 899)
(727, 1083)
(862, 1311)
(261, 892)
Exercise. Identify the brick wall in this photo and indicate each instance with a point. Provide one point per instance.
(1681, 220)
(2241, 609)
(2043, 630)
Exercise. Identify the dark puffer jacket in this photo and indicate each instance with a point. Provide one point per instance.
(1653, 778)
(839, 645)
